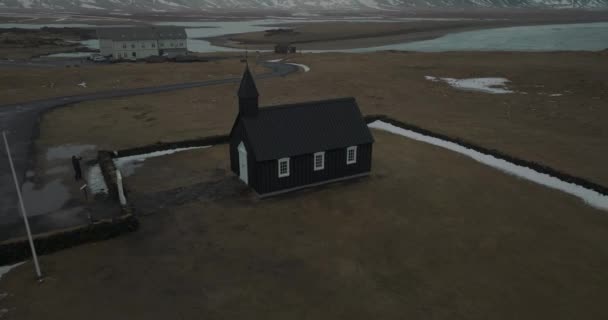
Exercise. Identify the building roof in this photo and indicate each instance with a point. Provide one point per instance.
(304, 128)
(142, 33)
(247, 88)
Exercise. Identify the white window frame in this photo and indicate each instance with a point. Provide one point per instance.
(348, 150)
(279, 162)
(314, 161)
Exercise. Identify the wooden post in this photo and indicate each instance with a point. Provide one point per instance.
(27, 224)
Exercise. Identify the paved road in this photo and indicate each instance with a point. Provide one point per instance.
(21, 121)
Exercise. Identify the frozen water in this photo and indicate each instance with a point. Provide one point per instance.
(57, 170)
(47, 198)
(66, 151)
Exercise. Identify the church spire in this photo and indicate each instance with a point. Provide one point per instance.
(248, 95)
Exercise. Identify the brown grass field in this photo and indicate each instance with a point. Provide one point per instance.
(567, 132)
(19, 84)
(27, 43)
(429, 235)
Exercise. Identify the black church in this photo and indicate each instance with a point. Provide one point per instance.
(283, 148)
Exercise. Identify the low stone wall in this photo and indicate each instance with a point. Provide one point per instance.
(497, 154)
(108, 170)
(17, 250)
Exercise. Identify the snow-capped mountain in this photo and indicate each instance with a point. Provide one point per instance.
(183, 5)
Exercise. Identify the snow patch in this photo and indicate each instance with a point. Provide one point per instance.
(127, 165)
(95, 180)
(591, 197)
(303, 66)
(275, 60)
(487, 85)
(171, 4)
(82, 84)
(5, 269)
(90, 6)
(556, 95)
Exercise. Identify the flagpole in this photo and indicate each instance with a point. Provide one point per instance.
(27, 225)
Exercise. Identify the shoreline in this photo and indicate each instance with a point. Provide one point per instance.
(354, 41)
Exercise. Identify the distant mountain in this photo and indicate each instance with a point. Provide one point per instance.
(294, 5)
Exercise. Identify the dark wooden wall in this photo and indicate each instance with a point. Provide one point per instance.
(264, 176)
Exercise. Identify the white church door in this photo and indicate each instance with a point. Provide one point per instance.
(243, 173)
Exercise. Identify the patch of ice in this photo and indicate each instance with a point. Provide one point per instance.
(57, 170)
(45, 198)
(591, 197)
(487, 85)
(303, 66)
(95, 180)
(5, 269)
(66, 151)
(127, 165)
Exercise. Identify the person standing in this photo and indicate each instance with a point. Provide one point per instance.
(77, 169)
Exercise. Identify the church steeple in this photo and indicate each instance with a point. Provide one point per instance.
(248, 95)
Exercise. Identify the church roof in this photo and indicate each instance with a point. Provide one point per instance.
(304, 128)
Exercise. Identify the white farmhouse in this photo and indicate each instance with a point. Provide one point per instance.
(142, 42)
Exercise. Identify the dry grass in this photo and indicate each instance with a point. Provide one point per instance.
(335, 35)
(417, 239)
(27, 84)
(568, 132)
(27, 53)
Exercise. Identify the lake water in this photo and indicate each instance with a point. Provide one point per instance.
(584, 36)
